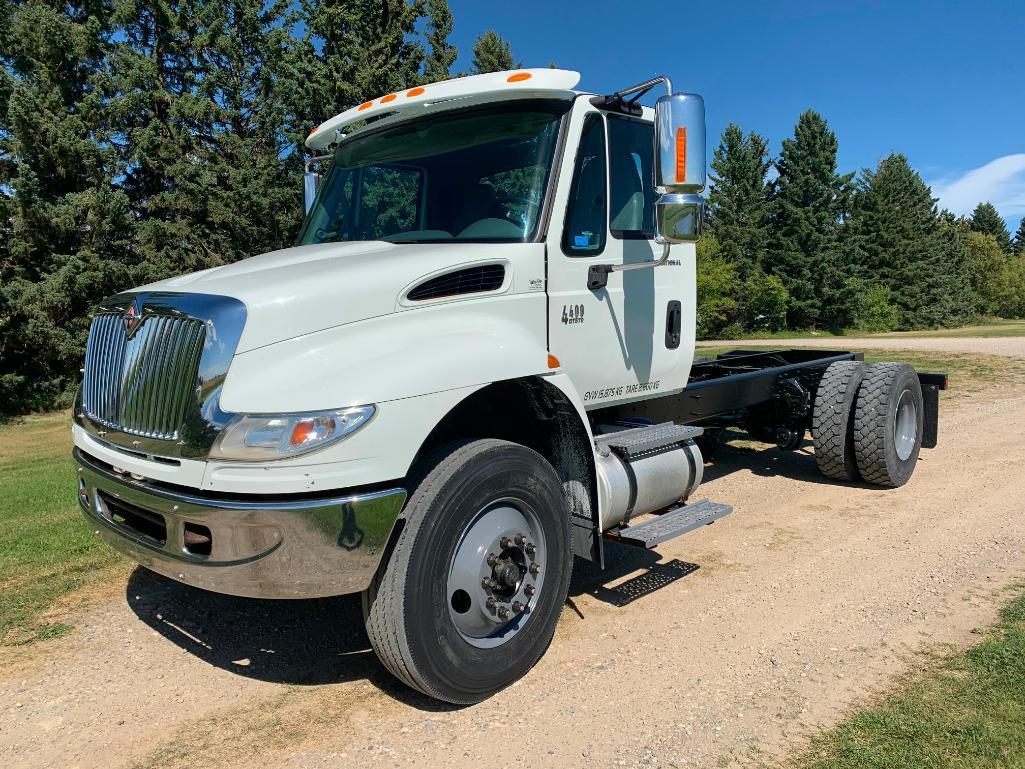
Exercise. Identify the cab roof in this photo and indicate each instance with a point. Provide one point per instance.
(476, 89)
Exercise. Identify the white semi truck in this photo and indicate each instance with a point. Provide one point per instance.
(476, 364)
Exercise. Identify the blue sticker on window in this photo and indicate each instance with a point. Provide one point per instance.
(581, 241)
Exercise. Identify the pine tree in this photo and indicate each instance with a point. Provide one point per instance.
(808, 202)
(1019, 238)
(441, 54)
(738, 205)
(351, 51)
(165, 122)
(492, 53)
(66, 228)
(986, 218)
(908, 248)
(254, 203)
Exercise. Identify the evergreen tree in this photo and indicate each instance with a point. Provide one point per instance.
(907, 248)
(492, 53)
(351, 51)
(808, 203)
(986, 218)
(165, 124)
(737, 202)
(66, 229)
(254, 202)
(441, 54)
(1019, 238)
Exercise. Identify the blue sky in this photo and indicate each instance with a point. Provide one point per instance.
(942, 82)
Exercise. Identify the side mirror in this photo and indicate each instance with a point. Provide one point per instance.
(311, 180)
(679, 167)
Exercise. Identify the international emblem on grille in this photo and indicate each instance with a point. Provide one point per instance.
(133, 318)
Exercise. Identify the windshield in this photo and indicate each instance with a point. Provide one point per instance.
(461, 175)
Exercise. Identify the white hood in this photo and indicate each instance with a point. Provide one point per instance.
(297, 291)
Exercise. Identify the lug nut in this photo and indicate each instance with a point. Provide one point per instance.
(505, 543)
(520, 539)
(503, 612)
(490, 603)
(518, 607)
(488, 584)
(530, 590)
(492, 559)
(531, 548)
(535, 568)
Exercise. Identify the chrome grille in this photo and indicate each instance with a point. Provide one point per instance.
(141, 385)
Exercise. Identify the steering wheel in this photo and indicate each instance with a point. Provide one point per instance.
(519, 218)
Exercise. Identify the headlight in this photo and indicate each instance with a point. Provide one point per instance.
(275, 436)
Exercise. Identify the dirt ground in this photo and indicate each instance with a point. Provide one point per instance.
(1011, 347)
(807, 600)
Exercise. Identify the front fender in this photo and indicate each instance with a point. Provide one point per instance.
(401, 355)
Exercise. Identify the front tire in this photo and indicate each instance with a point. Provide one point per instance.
(469, 600)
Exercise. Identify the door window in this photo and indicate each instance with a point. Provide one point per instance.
(631, 184)
(586, 213)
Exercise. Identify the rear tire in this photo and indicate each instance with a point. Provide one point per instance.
(427, 614)
(831, 430)
(888, 423)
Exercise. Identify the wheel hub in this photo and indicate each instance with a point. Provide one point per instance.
(905, 425)
(496, 573)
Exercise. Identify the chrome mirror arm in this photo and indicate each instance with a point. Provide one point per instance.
(598, 274)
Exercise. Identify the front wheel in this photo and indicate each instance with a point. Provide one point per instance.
(469, 600)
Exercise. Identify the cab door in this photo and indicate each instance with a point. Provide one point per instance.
(634, 337)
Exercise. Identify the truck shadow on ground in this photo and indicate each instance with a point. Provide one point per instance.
(323, 641)
(734, 455)
(302, 642)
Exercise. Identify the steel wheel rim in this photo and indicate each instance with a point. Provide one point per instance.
(516, 572)
(905, 425)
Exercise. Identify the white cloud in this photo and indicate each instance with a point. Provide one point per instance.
(1000, 181)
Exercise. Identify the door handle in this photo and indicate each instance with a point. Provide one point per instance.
(674, 322)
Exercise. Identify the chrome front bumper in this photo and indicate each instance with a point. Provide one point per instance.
(305, 547)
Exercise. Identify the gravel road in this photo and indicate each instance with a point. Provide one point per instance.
(809, 598)
(1010, 347)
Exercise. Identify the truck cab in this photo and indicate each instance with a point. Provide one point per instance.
(471, 367)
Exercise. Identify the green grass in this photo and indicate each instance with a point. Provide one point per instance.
(966, 711)
(46, 548)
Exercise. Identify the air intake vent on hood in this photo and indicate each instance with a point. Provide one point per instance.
(470, 280)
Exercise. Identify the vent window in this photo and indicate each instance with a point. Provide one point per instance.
(471, 280)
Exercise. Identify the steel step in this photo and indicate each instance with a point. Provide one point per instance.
(673, 524)
(640, 440)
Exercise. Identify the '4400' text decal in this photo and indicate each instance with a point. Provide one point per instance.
(572, 313)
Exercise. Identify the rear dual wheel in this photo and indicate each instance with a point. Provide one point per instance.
(470, 597)
(867, 422)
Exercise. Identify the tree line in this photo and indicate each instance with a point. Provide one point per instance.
(141, 139)
(792, 243)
